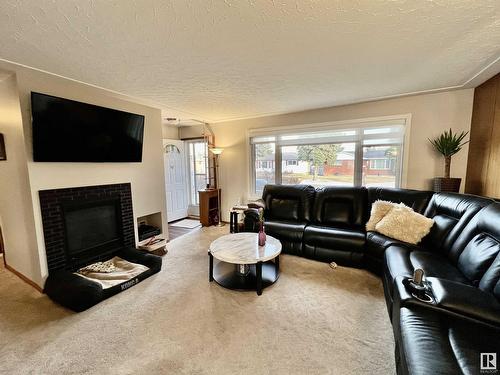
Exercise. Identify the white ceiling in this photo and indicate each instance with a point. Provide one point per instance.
(217, 60)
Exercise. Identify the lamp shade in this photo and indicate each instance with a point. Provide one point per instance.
(216, 150)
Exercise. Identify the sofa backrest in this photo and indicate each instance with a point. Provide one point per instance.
(416, 199)
(477, 248)
(288, 202)
(451, 213)
(340, 207)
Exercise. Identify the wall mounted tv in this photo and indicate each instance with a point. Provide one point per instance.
(69, 131)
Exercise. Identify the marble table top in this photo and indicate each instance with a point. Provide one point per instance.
(243, 248)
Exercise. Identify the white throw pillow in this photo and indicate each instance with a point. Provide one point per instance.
(379, 210)
(404, 224)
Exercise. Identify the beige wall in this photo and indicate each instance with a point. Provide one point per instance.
(431, 114)
(170, 132)
(16, 209)
(186, 132)
(146, 178)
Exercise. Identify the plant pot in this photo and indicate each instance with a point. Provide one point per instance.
(442, 184)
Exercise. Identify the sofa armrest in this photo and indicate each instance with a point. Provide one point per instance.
(453, 298)
(259, 203)
(466, 300)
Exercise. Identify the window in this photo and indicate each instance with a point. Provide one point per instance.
(264, 156)
(361, 154)
(380, 164)
(317, 164)
(198, 169)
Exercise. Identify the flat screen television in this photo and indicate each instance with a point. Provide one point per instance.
(69, 131)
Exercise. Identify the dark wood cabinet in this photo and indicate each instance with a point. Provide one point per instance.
(209, 201)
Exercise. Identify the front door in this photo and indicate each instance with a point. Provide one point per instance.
(175, 179)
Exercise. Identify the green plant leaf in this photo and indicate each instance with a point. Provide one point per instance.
(448, 143)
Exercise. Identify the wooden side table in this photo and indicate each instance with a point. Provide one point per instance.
(209, 214)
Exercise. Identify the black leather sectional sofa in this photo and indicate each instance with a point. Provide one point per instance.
(460, 258)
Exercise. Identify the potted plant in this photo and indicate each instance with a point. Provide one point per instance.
(448, 144)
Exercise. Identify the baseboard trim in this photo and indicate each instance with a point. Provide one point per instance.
(24, 278)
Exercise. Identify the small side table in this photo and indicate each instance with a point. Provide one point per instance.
(234, 221)
(209, 203)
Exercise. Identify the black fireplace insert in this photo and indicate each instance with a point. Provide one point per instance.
(92, 229)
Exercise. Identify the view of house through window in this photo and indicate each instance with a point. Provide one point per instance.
(380, 165)
(369, 155)
(318, 164)
(264, 156)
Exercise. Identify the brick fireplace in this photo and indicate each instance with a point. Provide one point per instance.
(58, 207)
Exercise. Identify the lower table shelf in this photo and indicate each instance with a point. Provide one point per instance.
(227, 275)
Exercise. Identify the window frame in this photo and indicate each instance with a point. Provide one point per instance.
(386, 162)
(356, 124)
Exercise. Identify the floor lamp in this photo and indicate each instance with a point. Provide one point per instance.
(217, 151)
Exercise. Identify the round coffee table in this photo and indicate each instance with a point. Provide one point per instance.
(243, 264)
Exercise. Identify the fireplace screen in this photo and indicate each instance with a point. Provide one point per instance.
(92, 227)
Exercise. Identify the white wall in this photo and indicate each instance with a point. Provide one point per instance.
(146, 178)
(431, 115)
(16, 209)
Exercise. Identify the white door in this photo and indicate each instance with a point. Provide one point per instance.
(175, 179)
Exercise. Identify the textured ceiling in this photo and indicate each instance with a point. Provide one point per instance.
(228, 59)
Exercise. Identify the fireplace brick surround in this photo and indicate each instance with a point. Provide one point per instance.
(51, 203)
(85, 225)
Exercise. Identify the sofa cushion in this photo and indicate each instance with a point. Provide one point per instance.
(478, 256)
(288, 202)
(478, 242)
(327, 244)
(430, 342)
(402, 261)
(335, 238)
(285, 209)
(485, 221)
(451, 213)
(490, 281)
(423, 344)
(286, 230)
(342, 207)
(403, 224)
(436, 265)
(415, 199)
(377, 213)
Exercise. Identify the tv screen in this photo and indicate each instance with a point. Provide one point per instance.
(69, 131)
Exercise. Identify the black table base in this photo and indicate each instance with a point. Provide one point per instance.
(260, 275)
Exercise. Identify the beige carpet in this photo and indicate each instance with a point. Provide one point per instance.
(314, 320)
